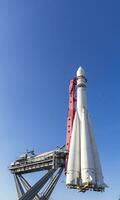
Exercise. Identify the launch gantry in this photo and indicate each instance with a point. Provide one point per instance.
(53, 162)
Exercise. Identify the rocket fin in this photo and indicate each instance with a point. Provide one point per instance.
(98, 168)
(87, 157)
(73, 167)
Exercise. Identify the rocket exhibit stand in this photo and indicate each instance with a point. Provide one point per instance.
(52, 162)
(78, 158)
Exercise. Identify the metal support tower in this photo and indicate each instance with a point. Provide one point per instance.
(70, 117)
(52, 161)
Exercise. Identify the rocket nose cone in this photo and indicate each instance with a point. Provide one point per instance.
(80, 72)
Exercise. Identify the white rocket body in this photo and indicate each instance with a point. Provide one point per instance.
(84, 169)
(73, 167)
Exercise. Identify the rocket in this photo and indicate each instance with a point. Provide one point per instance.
(83, 170)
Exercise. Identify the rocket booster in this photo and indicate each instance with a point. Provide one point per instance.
(84, 170)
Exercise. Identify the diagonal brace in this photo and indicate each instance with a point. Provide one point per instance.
(51, 186)
(33, 191)
(19, 187)
(27, 186)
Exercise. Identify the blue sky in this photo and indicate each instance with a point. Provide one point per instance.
(42, 43)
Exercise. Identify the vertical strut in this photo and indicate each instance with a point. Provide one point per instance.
(70, 117)
(19, 187)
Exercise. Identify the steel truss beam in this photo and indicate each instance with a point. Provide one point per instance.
(19, 187)
(51, 186)
(25, 191)
(27, 186)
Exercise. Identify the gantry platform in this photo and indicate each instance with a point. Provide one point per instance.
(52, 161)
